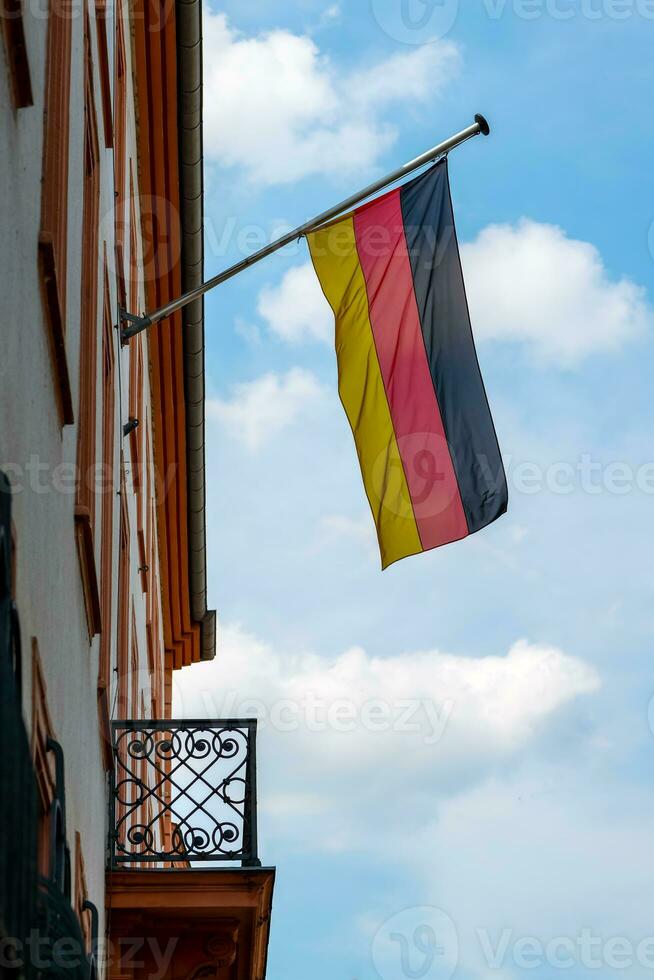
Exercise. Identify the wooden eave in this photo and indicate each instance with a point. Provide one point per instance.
(155, 58)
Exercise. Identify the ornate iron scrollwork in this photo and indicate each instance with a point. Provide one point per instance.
(183, 791)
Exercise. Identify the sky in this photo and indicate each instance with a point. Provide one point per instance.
(455, 756)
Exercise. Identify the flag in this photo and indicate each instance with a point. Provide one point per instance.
(408, 374)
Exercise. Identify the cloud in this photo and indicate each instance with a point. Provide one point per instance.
(331, 15)
(361, 530)
(296, 309)
(527, 283)
(531, 284)
(249, 332)
(280, 110)
(426, 724)
(517, 857)
(405, 77)
(260, 409)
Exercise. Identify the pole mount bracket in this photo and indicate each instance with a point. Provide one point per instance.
(135, 324)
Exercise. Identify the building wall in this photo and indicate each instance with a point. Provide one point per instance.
(39, 454)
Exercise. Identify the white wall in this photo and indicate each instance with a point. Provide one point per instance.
(49, 588)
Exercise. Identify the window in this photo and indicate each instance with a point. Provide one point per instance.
(54, 199)
(11, 12)
(86, 444)
(133, 246)
(143, 506)
(44, 765)
(134, 672)
(123, 603)
(108, 437)
(103, 67)
(138, 465)
(120, 271)
(120, 125)
(108, 497)
(168, 690)
(81, 894)
(135, 369)
(154, 656)
(135, 412)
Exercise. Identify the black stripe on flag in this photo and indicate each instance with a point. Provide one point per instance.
(443, 308)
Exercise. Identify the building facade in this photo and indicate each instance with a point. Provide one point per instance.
(130, 834)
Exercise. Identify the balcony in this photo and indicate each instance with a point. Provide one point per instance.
(183, 869)
(58, 925)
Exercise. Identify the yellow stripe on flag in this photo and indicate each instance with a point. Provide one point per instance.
(334, 253)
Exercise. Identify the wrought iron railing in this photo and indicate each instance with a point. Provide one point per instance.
(40, 934)
(61, 950)
(18, 813)
(183, 791)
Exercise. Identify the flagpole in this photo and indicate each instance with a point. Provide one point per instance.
(138, 323)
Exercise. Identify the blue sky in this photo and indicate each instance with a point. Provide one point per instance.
(511, 814)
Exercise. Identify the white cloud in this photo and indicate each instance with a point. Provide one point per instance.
(552, 840)
(296, 309)
(532, 284)
(426, 723)
(278, 108)
(361, 530)
(260, 409)
(405, 77)
(526, 283)
(249, 332)
(331, 15)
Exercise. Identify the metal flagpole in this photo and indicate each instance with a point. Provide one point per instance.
(138, 323)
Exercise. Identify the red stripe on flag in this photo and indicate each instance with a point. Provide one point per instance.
(381, 244)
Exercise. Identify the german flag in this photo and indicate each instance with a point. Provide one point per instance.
(409, 378)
